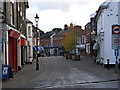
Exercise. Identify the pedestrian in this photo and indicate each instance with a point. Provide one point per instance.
(94, 55)
(95, 51)
(55, 52)
(34, 54)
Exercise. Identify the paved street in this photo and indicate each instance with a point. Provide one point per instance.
(57, 72)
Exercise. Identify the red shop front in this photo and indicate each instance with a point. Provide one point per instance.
(12, 49)
(23, 42)
(23, 51)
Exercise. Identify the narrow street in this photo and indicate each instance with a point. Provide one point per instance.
(57, 72)
(35, 36)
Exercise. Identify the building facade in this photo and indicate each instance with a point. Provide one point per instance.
(88, 37)
(12, 45)
(29, 37)
(107, 15)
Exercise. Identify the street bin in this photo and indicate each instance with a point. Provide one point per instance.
(7, 72)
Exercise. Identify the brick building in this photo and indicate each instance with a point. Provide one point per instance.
(88, 30)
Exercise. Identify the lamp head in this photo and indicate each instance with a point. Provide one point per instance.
(36, 18)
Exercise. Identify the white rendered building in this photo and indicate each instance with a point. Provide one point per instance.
(30, 43)
(107, 15)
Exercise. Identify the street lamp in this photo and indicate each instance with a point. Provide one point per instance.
(36, 20)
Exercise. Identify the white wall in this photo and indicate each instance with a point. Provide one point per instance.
(112, 11)
(107, 18)
(88, 48)
(19, 52)
(30, 47)
(119, 20)
(7, 47)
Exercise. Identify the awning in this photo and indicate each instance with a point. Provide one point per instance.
(23, 42)
(38, 48)
(41, 48)
(34, 48)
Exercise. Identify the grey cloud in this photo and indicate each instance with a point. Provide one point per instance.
(65, 7)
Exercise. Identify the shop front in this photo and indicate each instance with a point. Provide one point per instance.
(23, 51)
(12, 49)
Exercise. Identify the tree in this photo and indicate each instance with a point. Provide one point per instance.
(69, 41)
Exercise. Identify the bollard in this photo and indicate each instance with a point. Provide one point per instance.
(108, 64)
(116, 65)
(119, 64)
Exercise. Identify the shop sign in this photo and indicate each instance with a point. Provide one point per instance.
(14, 34)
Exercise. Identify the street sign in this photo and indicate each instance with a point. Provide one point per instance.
(116, 40)
(2, 17)
(116, 52)
(116, 29)
(115, 36)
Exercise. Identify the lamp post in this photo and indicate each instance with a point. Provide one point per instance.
(36, 20)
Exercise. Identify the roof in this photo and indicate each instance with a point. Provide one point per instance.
(102, 6)
(28, 21)
(47, 35)
(62, 32)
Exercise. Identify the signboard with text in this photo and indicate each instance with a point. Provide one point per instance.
(115, 36)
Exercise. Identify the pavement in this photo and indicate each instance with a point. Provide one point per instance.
(86, 63)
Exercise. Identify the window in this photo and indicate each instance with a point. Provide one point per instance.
(92, 23)
(78, 39)
(89, 27)
(11, 14)
(83, 39)
(29, 30)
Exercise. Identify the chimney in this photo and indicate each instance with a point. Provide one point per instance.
(65, 27)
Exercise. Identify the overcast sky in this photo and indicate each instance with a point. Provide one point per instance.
(56, 13)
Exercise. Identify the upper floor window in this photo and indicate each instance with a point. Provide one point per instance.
(11, 14)
(29, 30)
(92, 23)
(78, 40)
(83, 39)
(89, 27)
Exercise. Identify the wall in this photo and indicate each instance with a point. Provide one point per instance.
(119, 12)
(107, 18)
(30, 46)
(110, 19)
